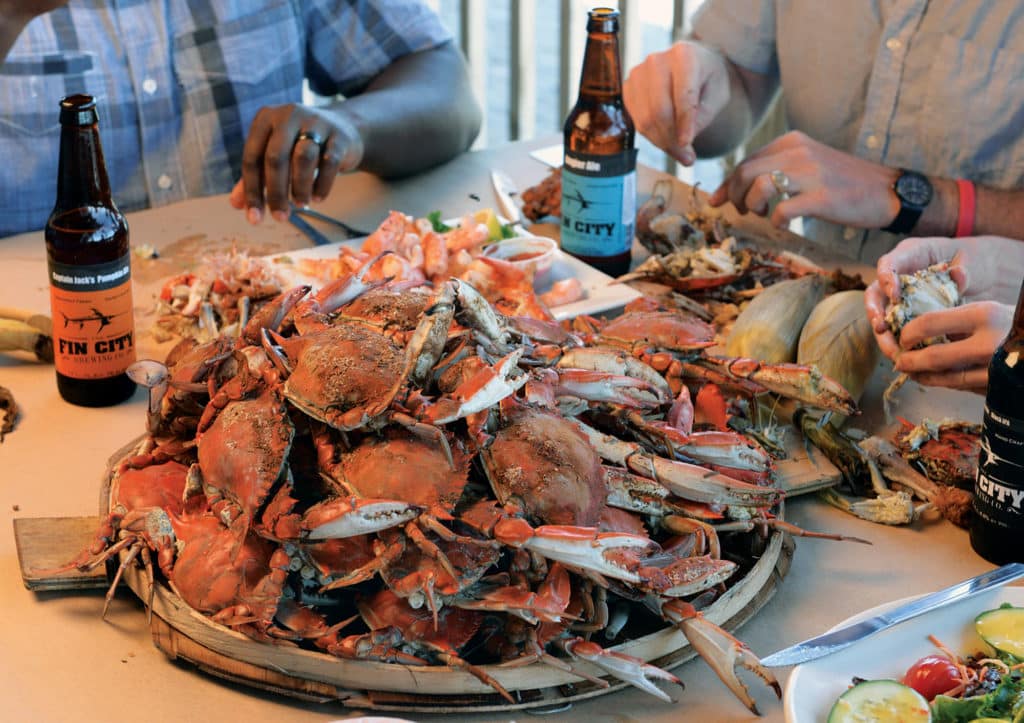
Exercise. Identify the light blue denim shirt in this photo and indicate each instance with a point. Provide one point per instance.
(178, 83)
(936, 86)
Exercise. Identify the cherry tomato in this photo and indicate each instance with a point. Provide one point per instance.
(932, 675)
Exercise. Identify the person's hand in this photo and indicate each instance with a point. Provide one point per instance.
(974, 331)
(982, 267)
(673, 95)
(822, 182)
(296, 152)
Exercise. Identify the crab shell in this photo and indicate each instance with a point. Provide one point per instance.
(399, 465)
(343, 374)
(948, 453)
(542, 463)
(244, 452)
(236, 583)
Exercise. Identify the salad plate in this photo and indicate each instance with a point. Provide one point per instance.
(813, 687)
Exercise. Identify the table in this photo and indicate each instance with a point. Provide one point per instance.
(60, 661)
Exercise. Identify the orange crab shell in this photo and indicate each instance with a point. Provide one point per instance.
(545, 465)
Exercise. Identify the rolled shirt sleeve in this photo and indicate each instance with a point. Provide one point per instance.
(742, 30)
(351, 41)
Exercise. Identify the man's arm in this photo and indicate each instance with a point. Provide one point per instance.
(690, 100)
(417, 113)
(998, 213)
(750, 94)
(420, 111)
(15, 15)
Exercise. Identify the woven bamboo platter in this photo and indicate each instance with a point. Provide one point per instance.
(186, 635)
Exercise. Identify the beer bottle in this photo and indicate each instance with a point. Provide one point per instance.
(997, 530)
(89, 267)
(599, 161)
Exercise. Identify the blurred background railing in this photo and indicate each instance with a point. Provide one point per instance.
(525, 58)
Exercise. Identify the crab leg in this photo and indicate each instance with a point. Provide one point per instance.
(723, 652)
(598, 386)
(615, 362)
(804, 383)
(272, 315)
(723, 449)
(481, 391)
(683, 479)
(627, 668)
(348, 517)
(582, 547)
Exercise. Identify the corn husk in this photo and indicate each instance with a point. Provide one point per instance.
(838, 339)
(769, 328)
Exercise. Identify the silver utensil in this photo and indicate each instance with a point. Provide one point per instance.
(350, 231)
(846, 636)
(305, 227)
(505, 189)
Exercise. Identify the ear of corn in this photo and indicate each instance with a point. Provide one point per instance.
(769, 328)
(838, 339)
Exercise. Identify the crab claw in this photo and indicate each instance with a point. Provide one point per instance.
(723, 652)
(348, 517)
(481, 391)
(606, 553)
(627, 668)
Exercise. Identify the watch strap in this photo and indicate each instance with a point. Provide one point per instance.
(905, 220)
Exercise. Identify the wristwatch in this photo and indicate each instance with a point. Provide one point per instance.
(914, 192)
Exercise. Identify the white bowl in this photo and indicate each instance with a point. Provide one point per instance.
(533, 254)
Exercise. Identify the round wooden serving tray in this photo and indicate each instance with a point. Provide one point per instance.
(184, 634)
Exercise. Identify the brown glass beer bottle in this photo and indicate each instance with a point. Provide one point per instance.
(997, 529)
(599, 161)
(89, 267)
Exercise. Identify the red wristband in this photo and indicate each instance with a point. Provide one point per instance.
(966, 210)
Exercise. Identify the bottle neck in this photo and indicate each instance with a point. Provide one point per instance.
(1017, 332)
(601, 77)
(81, 173)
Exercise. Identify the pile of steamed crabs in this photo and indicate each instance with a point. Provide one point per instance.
(431, 471)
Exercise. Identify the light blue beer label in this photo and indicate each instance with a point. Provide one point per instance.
(598, 203)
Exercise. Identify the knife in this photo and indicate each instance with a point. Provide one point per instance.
(848, 635)
(505, 189)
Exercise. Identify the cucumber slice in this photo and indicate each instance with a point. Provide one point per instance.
(1003, 629)
(882, 701)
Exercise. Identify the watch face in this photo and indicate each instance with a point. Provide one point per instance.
(914, 189)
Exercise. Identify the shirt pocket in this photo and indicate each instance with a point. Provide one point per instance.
(227, 71)
(973, 112)
(34, 85)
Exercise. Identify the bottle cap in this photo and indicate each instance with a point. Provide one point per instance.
(603, 20)
(78, 110)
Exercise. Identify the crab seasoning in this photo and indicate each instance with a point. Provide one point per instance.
(89, 268)
(998, 525)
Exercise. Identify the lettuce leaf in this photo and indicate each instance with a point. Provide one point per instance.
(1006, 702)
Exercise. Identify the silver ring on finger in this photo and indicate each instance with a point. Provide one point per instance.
(781, 183)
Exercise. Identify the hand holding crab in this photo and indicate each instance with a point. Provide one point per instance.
(974, 330)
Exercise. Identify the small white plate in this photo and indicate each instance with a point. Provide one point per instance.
(813, 687)
(599, 293)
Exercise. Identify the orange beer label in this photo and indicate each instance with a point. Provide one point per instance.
(93, 323)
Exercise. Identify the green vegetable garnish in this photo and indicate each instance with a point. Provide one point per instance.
(435, 220)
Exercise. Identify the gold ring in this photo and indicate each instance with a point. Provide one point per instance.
(310, 136)
(781, 182)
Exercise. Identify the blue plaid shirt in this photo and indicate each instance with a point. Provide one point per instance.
(178, 83)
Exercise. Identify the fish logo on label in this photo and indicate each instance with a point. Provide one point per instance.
(97, 315)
